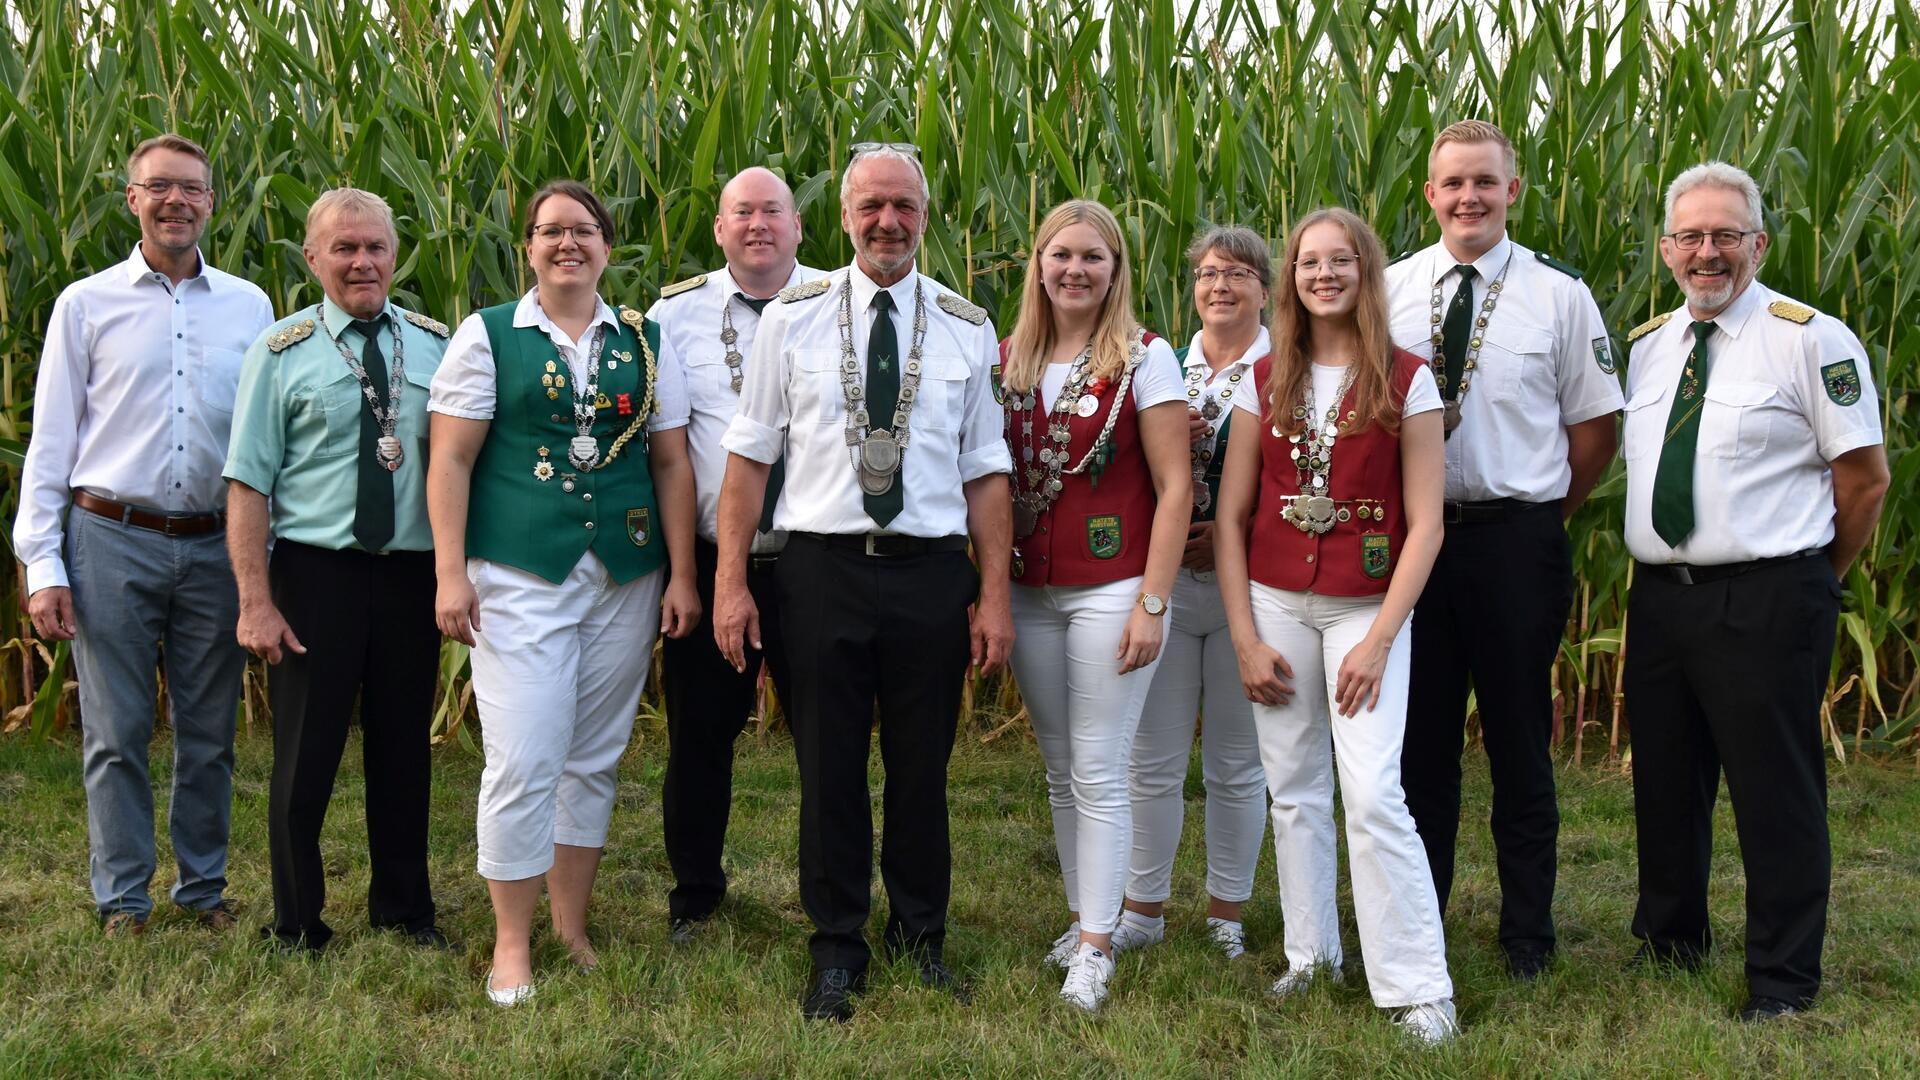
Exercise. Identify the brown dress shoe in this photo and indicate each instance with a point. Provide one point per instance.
(218, 917)
(122, 924)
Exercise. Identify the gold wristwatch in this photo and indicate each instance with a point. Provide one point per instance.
(1154, 603)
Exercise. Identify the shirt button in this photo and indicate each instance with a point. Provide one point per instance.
(1309, 558)
(180, 410)
(179, 371)
(179, 335)
(589, 524)
(180, 447)
(555, 418)
(589, 498)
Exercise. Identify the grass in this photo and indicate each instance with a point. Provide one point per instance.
(180, 1001)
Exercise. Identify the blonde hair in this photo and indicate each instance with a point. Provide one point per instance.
(179, 144)
(1292, 369)
(1114, 332)
(1473, 131)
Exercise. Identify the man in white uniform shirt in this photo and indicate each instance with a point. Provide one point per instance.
(875, 386)
(132, 409)
(1526, 371)
(1755, 474)
(709, 322)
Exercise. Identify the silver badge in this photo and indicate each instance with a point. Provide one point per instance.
(583, 451)
(1086, 406)
(390, 453)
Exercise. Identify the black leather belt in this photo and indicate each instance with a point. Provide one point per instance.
(1688, 574)
(764, 562)
(1471, 513)
(885, 546)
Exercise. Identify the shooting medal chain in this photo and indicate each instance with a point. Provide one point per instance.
(1204, 451)
(584, 450)
(730, 338)
(1313, 510)
(387, 447)
(1438, 362)
(1043, 475)
(877, 452)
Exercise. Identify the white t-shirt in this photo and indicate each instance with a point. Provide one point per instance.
(1423, 394)
(1158, 380)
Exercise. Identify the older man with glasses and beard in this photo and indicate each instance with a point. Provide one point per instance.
(874, 385)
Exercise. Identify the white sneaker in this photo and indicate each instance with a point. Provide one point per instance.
(1086, 985)
(1296, 980)
(1137, 931)
(1228, 936)
(1432, 1023)
(1060, 954)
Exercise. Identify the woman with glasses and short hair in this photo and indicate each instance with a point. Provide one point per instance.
(1329, 523)
(561, 498)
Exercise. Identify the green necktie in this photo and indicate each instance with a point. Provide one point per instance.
(778, 474)
(1673, 478)
(1456, 331)
(883, 393)
(373, 500)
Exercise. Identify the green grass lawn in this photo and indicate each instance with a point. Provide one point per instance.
(185, 1002)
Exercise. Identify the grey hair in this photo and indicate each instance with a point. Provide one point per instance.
(352, 201)
(891, 154)
(1236, 242)
(1721, 175)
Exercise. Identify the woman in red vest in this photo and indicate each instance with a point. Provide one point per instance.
(1328, 525)
(1098, 427)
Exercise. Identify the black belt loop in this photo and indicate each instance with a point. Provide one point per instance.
(1689, 574)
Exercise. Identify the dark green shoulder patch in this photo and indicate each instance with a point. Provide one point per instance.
(1402, 257)
(1565, 268)
(1180, 353)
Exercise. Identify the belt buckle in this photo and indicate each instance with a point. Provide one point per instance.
(871, 537)
(1682, 572)
(1450, 513)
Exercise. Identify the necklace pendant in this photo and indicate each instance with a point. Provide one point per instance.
(1086, 406)
(1211, 411)
(880, 454)
(1451, 419)
(1025, 520)
(584, 451)
(389, 452)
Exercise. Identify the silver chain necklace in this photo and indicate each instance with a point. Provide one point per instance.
(1044, 482)
(387, 447)
(1203, 451)
(1313, 509)
(584, 450)
(1472, 361)
(730, 338)
(877, 452)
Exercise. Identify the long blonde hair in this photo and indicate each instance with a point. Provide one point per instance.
(1293, 337)
(1032, 340)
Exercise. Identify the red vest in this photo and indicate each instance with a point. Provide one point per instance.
(1355, 557)
(1097, 530)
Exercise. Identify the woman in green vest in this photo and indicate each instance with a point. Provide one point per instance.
(561, 498)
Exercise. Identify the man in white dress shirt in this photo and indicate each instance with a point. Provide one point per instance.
(1755, 474)
(132, 408)
(1526, 372)
(875, 386)
(709, 322)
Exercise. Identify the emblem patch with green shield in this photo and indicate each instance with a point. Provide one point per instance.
(1103, 535)
(1842, 381)
(1376, 554)
(637, 527)
(999, 391)
(1603, 355)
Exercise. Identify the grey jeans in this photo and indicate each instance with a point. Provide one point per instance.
(135, 590)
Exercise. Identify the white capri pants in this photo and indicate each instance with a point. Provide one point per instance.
(557, 672)
(1198, 669)
(1393, 898)
(1084, 714)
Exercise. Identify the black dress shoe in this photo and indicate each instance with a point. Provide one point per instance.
(1649, 957)
(832, 994)
(430, 937)
(1526, 964)
(936, 975)
(680, 931)
(1759, 1010)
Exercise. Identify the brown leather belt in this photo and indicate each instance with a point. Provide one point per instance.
(170, 524)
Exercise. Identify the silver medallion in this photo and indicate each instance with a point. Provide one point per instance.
(1086, 406)
(1451, 418)
(879, 453)
(390, 453)
(584, 451)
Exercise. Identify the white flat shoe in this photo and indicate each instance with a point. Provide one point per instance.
(509, 997)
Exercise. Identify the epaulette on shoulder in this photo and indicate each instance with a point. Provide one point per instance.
(280, 339)
(631, 317)
(1400, 258)
(1648, 327)
(679, 287)
(959, 307)
(805, 291)
(1790, 311)
(431, 326)
(1566, 268)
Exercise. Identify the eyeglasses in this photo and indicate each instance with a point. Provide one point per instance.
(1233, 275)
(906, 148)
(191, 190)
(583, 232)
(1723, 239)
(1339, 263)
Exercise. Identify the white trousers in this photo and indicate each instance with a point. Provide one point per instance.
(1301, 743)
(1198, 670)
(557, 672)
(1084, 715)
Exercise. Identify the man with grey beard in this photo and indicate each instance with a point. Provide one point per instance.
(1755, 474)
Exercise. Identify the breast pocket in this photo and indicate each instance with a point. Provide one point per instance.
(941, 398)
(216, 376)
(1737, 419)
(710, 380)
(1645, 425)
(814, 391)
(325, 417)
(1516, 362)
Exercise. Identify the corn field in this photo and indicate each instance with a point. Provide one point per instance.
(1177, 115)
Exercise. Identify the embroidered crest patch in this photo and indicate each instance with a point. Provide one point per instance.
(1602, 355)
(1103, 535)
(999, 391)
(637, 531)
(1376, 554)
(1842, 381)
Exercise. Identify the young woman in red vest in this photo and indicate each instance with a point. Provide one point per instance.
(1097, 422)
(1329, 523)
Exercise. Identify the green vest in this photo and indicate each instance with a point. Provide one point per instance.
(530, 508)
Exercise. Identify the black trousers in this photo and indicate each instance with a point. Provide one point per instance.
(862, 631)
(708, 704)
(1491, 617)
(367, 623)
(1728, 675)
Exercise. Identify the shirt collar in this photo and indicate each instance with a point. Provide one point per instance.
(730, 287)
(137, 267)
(865, 288)
(339, 320)
(1262, 345)
(1739, 313)
(1487, 266)
(529, 313)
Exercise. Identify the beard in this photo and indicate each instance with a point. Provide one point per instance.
(885, 263)
(1711, 297)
